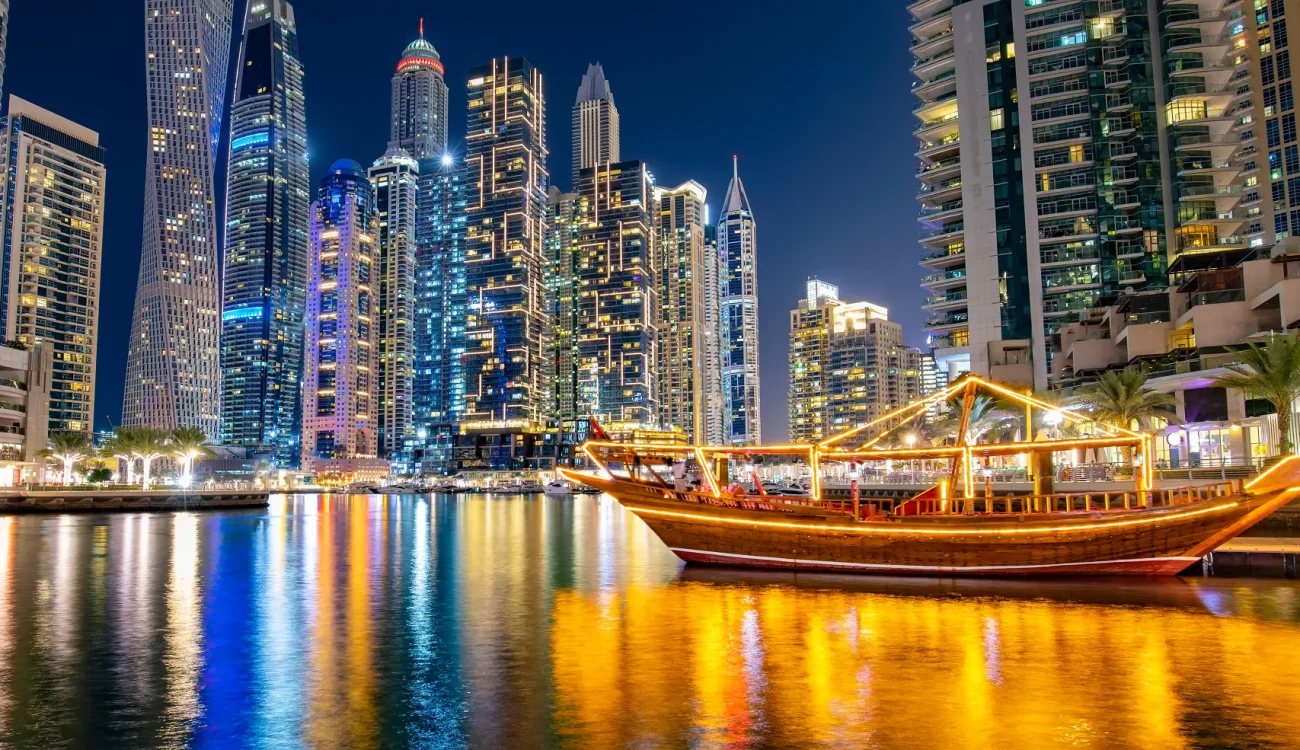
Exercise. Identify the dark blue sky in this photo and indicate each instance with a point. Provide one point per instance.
(813, 97)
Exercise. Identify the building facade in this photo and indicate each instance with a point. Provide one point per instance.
(26, 380)
(506, 321)
(563, 216)
(339, 432)
(617, 298)
(395, 179)
(264, 278)
(848, 365)
(810, 334)
(438, 388)
(714, 421)
(737, 244)
(595, 123)
(51, 252)
(418, 121)
(684, 304)
(1103, 150)
(173, 374)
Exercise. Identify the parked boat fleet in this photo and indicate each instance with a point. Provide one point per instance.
(514, 487)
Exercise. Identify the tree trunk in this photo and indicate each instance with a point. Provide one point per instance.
(1284, 430)
(145, 485)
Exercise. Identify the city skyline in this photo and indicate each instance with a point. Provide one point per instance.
(697, 149)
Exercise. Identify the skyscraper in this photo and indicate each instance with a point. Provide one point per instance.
(617, 299)
(737, 245)
(172, 374)
(342, 339)
(418, 123)
(848, 365)
(563, 225)
(810, 336)
(52, 179)
(394, 177)
(712, 340)
(683, 308)
(438, 388)
(506, 320)
(595, 123)
(265, 275)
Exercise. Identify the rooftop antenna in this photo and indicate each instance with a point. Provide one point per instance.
(421, 28)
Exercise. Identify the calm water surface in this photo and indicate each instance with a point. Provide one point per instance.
(522, 622)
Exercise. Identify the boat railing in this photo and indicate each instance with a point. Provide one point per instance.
(1067, 502)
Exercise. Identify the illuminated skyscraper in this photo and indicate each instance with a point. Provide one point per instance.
(711, 340)
(563, 217)
(848, 365)
(595, 123)
(737, 245)
(52, 179)
(265, 276)
(683, 308)
(418, 123)
(172, 373)
(506, 320)
(342, 337)
(395, 180)
(438, 390)
(617, 299)
(810, 334)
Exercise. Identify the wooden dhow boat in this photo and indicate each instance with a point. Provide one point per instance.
(1140, 531)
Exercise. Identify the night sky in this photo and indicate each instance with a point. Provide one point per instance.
(813, 97)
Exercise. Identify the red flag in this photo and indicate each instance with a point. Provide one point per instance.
(596, 431)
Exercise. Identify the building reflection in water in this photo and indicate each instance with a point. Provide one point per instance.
(490, 621)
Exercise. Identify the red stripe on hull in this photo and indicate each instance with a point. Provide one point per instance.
(1151, 567)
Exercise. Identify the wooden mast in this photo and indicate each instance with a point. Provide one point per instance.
(963, 466)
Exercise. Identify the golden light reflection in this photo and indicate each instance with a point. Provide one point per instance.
(183, 636)
(782, 665)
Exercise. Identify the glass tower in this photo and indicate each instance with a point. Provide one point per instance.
(595, 123)
(683, 308)
(737, 244)
(418, 121)
(265, 275)
(173, 374)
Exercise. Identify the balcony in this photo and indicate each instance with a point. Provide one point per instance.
(1205, 43)
(946, 280)
(943, 235)
(1125, 249)
(937, 149)
(940, 193)
(1060, 257)
(950, 322)
(942, 170)
(944, 258)
(945, 302)
(1121, 176)
(945, 212)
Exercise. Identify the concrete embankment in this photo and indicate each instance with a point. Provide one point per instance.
(104, 501)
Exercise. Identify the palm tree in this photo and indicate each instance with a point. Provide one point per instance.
(1270, 372)
(68, 447)
(122, 447)
(149, 446)
(1122, 399)
(262, 468)
(189, 443)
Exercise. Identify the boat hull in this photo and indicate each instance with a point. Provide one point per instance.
(1149, 541)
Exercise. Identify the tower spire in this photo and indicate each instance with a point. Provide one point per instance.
(735, 166)
(421, 28)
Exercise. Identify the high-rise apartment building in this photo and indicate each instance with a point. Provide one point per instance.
(810, 334)
(342, 335)
(1078, 155)
(563, 225)
(595, 123)
(264, 279)
(418, 122)
(173, 375)
(438, 387)
(848, 365)
(684, 304)
(52, 179)
(711, 342)
(737, 244)
(617, 299)
(395, 177)
(868, 371)
(506, 321)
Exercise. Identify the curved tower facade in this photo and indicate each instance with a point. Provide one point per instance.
(265, 273)
(172, 371)
(419, 109)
